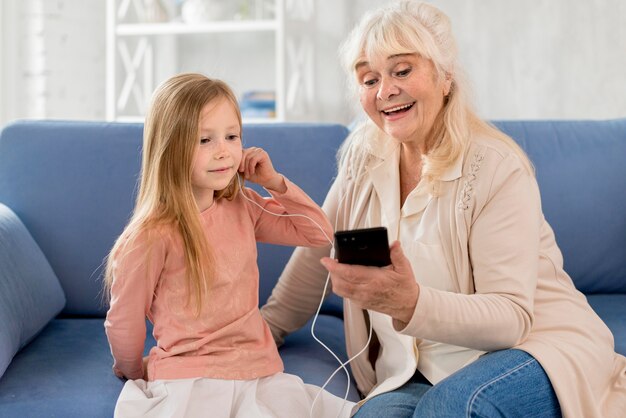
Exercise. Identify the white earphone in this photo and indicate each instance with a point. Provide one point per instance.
(342, 365)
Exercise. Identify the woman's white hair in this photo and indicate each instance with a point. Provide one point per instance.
(409, 26)
(402, 27)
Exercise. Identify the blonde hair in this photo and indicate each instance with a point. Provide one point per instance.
(409, 26)
(165, 197)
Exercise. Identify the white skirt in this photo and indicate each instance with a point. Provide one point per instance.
(281, 395)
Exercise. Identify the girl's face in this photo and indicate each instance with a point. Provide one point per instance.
(218, 151)
(402, 95)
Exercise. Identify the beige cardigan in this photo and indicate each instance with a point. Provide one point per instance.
(512, 290)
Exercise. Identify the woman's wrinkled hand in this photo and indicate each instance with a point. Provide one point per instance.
(390, 290)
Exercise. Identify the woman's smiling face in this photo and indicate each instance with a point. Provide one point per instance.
(402, 95)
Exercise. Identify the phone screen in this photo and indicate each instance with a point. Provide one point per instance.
(367, 247)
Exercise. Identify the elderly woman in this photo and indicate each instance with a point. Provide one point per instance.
(475, 316)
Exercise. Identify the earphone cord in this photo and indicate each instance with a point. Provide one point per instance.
(342, 365)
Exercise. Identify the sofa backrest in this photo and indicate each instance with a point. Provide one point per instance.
(581, 171)
(73, 185)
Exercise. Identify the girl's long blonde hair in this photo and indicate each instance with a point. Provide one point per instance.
(165, 197)
(409, 26)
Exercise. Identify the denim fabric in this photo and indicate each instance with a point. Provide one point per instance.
(507, 383)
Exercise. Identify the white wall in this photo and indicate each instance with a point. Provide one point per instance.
(7, 54)
(540, 59)
(52, 59)
(526, 59)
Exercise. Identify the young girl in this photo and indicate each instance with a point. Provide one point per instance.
(187, 262)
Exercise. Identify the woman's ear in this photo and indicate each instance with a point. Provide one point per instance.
(447, 84)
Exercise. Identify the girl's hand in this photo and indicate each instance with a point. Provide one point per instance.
(118, 373)
(390, 290)
(145, 368)
(256, 166)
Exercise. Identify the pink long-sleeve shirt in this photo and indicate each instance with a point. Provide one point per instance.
(230, 339)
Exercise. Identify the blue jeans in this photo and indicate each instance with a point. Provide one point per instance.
(506, 383)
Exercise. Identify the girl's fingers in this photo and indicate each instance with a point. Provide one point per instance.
(260, 158)
(253, 162)
(245, 161)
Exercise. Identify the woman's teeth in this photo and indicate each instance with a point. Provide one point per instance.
(398, 108)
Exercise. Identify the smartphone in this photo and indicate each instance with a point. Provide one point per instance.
(367, 247)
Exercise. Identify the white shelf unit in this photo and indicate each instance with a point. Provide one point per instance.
(130, 56)
(178, 28)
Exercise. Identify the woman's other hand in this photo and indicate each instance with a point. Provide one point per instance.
(390, 290)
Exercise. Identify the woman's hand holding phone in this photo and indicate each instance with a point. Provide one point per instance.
(390, 290)
(366, 247)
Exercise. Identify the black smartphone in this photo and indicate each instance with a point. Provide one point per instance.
(367, 247)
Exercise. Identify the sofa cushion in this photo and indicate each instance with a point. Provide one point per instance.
(30, 293)
(610, 308)
(305, 357)
(84, 175)
(582, 177)
(73, 375)
(65, 371)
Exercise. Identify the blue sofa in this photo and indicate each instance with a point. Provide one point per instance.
(67, 189)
